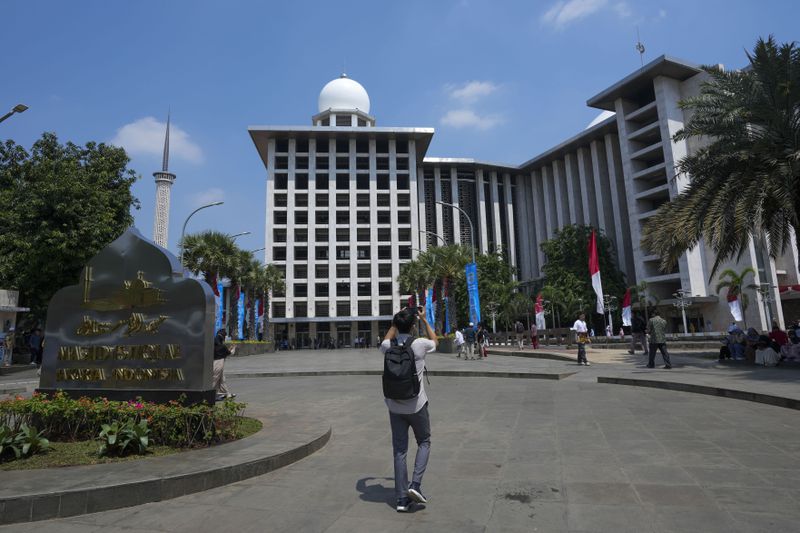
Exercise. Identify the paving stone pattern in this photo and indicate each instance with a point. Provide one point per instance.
(508, 455)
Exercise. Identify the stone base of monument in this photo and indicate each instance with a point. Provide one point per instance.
(122, 395)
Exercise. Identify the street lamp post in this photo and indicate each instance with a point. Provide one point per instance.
(610, 303)
(492, 306)
(682, 302)
(765, 291)
(240, 234)
(183, 230)
(471, 227)
(19, 108)
(435, 235)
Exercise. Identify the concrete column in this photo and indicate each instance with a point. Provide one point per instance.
(540, 229)
(602, 194)
(353, 243)
(332, 298)
(312, 226)
(437, 195)
(587, 188)
(509, 211)
(668, 94)
(270, 203)
(618, 205)
(561, 209)
(373, 223)
(523, 221)
(422, 223)
(483, 241)
(393, 207)
(547, 196)
(290, 210)
(573, 189)
(456, 213)
(498, 236)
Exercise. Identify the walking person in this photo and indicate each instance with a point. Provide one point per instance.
(459, 343)
(534, 336)
(407, 401)
(470, 337)
(8, 358)
(582, 335)
(657, 328)
(519, 329)
(35, 343)
(637, 334)
(221, 351)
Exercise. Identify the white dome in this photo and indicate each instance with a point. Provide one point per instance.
(600, 118)
(343, 93)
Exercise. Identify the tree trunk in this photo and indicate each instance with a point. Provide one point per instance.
(251, 328)
(233, 315)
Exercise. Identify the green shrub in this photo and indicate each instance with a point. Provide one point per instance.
(173, 424)
(8, 443)
(124, 439)
(31, 441)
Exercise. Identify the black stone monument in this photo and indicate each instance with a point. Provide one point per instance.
(134, 326)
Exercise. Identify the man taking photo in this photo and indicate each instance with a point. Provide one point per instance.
(407, 401)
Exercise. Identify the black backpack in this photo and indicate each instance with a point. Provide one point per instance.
(400, 379)
(520, 328)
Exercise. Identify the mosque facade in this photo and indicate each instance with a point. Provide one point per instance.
(348, 202)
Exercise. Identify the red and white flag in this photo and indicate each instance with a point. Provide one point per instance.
(626, 308)
(539, 308)
(735, 306)
(594, 271)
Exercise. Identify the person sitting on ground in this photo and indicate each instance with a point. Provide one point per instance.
(764, 354)
(778, 335)
(751, 342)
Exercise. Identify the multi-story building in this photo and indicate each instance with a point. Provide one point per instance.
(348, 202)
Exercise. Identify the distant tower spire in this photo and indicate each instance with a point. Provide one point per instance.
(164, 181)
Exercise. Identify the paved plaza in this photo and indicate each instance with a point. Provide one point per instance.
(507, 454)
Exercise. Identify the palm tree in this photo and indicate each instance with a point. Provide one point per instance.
(450, 262)
(272, 280)
(209, 253)
(413, 279)
(241, 263)
(745, 183)
(252, 282)
(734, 282)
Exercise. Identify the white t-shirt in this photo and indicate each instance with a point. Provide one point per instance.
(421, 348)
(459, 338)
(767, 357)
(580, 326)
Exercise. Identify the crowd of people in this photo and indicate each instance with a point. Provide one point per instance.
(767, 349)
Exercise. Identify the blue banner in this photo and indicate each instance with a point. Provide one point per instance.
(257, 315)
(241, 315)
(471, 271)
(430, 314)
(218, 308)
(447, 315)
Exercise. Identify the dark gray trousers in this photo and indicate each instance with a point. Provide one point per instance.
(420, 423)
(662, 347)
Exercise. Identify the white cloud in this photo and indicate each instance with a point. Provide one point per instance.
(564, 13)
(662, 13)
(467, 118)
(146, 136)
(471, 91)
(214, 194)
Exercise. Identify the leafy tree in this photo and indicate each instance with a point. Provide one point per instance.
(60, 204)
(567, 268)
(745, 182)
(734, 282)
(210, 253)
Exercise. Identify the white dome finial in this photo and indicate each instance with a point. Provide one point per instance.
(343, 94)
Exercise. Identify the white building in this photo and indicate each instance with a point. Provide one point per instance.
(348, 202)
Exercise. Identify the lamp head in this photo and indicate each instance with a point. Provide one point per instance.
(20, 108)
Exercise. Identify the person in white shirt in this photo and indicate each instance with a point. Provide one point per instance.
(459, 342)
(765, 355)
(411, 413)
(582, 334)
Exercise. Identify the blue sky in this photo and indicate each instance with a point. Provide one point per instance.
(500, 81)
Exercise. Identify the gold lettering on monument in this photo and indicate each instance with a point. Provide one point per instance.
(81, 374)
(135, 293)
(143, 352)
(136, 323)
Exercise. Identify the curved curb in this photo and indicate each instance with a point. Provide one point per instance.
(535, 355)
(777, 401)
(445, 373)
(62, 504)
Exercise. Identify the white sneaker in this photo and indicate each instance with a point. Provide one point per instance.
(587, 363)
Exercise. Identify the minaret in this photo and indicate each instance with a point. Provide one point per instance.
(164, 180)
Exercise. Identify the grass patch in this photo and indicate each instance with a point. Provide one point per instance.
(86, 452)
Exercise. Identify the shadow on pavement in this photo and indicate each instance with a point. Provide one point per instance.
(378, 493)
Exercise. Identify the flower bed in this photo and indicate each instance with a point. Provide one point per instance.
(173, 424)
